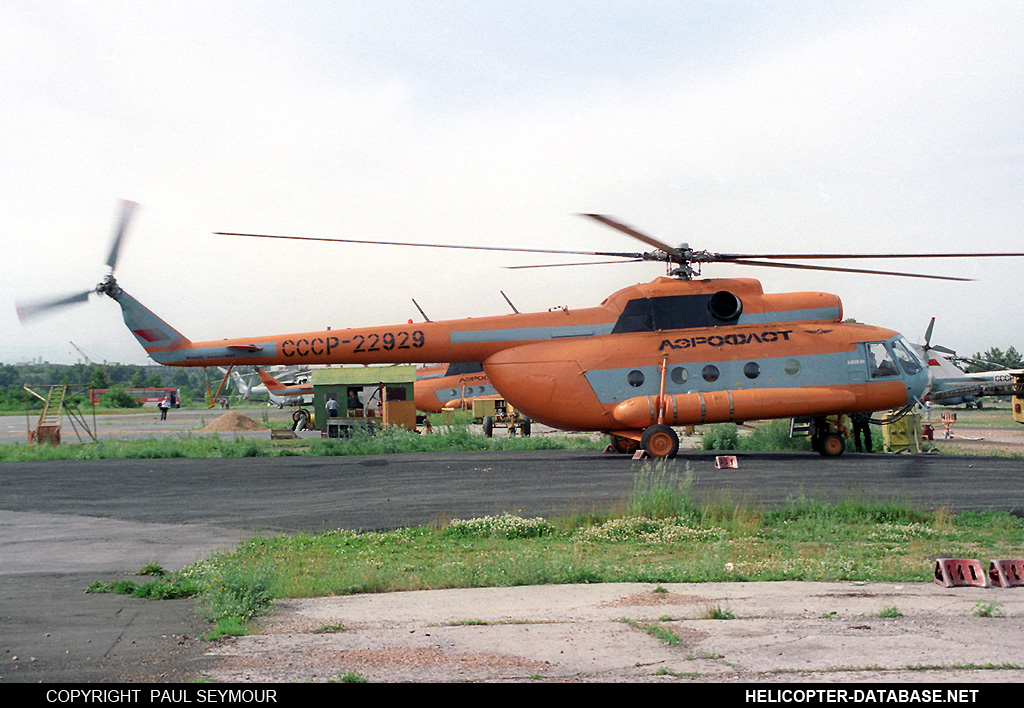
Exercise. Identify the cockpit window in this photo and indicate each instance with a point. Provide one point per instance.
(908, 360)
(881, 361)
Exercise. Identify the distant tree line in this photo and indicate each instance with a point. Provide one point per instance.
(14, 377)
(996, 358)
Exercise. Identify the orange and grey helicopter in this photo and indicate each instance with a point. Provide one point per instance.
(672, 352)
(452, 386)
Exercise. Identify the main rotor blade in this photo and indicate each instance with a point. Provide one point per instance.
(800, 266)
(127, 209)
(728, 257)
(630, 231)
(612, 254)
(31, 310)
(563, 265)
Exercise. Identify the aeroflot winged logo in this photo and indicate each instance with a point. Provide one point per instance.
(724, 340)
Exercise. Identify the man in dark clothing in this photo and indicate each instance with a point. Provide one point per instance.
(861, 426)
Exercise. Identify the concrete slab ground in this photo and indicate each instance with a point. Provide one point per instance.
(786, 632)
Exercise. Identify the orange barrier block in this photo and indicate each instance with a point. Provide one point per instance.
(1007, 573)
(723, 462)
(958, 572)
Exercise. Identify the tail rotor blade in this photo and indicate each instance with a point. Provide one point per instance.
(30, 310)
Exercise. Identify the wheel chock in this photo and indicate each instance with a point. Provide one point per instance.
(1006, 573)
(610, 450)
(640, 454)
(960, 572)
(726, 462)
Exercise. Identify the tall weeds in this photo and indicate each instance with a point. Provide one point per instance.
(659, 492)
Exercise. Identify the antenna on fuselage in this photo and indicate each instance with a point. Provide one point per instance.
(509, 301)
(421, 310)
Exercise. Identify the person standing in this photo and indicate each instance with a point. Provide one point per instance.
(861, 426)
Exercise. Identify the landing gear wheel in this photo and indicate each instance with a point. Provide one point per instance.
(624, 446)
(301, 418)
(488, 425)
(525, 427)
(660, 441)
(832, 445)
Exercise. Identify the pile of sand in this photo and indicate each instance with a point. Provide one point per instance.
(233, 422)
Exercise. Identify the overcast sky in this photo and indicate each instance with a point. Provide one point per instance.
(732, 126)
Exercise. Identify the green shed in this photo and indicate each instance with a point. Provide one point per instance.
(374, 396)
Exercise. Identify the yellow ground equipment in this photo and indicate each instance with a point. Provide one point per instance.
(497, 413)
(1018, 398)
(902, 433)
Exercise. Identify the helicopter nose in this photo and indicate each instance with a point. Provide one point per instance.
(919, 384)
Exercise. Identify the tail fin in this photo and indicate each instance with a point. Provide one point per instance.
(244, 389)
(270, 382)
(153, 333)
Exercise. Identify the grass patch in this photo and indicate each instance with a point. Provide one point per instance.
(983, 608)
(391, 440)
(658, 631)
(351, 677)
(720, 613)
(660, 535)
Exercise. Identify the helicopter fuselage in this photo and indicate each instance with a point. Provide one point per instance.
(670, 352)
(452, 386)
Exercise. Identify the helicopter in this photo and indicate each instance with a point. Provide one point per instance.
(953, 386)
(282, 394)
(676, 351)
(452, 386)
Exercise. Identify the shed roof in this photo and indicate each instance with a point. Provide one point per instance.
(364, 375)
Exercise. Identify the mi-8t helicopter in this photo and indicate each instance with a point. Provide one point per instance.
(672, 352)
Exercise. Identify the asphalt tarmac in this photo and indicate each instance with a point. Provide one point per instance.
(65, 524)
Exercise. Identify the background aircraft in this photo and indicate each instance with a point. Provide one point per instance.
(299, 393)
(249, 389)
(952, 386)
(451, 386)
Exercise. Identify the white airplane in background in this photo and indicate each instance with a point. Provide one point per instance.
(250, 390)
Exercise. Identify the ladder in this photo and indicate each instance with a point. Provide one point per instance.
(48, 428)
(56, 403)
(801, 427)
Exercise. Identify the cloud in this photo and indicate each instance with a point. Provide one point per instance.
(760, 128)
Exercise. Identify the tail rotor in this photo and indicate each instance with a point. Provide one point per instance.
(30, 310)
